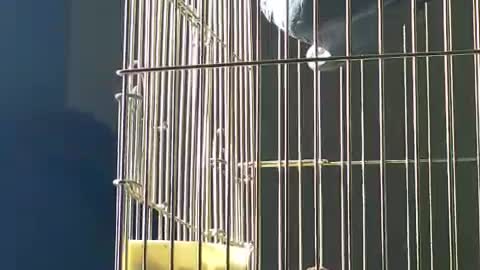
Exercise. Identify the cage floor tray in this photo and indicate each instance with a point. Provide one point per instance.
(185, 256)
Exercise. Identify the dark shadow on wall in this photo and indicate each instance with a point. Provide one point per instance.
(58, 166)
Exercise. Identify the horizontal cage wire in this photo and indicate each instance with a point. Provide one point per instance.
(299, 134)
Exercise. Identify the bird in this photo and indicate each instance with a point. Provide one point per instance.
(331, 25)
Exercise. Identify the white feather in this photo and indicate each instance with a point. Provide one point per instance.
(275, 11)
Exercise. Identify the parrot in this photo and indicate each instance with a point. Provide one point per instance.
(331, 25)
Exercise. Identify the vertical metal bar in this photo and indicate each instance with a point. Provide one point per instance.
(251, 153)
(145, 54)
(154, 107)
(248, 110)
(138, 140)
(120, 236)
(221, 114)
(247, 92)
(300, 158)
(209, 118)
(152, 129)
(450, 151)
(381, 109)
(151, 112)
(222, 110)
(476, 44)
(230, 128)
(234, 186)
(429, 136)
(413, 37)
(348, 77)
(364, 202)
(173, 129)
(258, 129)
(286, 140)
(183, 130)
(216, 120)
(343, 233)
(129, 129)
(196, 100)
(169, 40)
(407, 160)
(130, 35)
(453, 133)
(279, 155)
(163, 125)
(241, 93)
(130, 126)
(317, 180)
(185, 147)
(198, 131)
(201, 134)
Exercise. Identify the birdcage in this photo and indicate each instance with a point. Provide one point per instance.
(309, 134)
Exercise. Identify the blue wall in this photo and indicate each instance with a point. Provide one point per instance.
(56, 165)
(33, 39)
